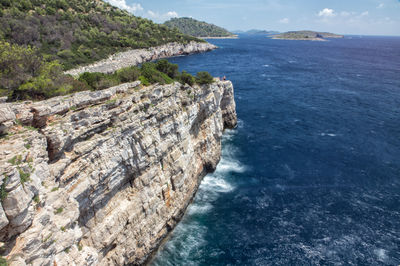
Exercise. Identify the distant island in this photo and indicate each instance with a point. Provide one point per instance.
(256, 32)
(306, 36)
(196, 28)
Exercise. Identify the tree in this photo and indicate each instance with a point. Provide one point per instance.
(187, 78)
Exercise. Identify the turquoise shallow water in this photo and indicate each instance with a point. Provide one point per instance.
(312, 174)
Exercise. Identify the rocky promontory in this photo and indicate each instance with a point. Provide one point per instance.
(100, 178)
(139, 56)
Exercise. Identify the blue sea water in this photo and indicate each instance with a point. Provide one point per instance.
(311, 176)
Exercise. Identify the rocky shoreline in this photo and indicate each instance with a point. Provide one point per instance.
(139, 56)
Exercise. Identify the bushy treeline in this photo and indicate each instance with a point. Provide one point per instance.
(196, 28)
(161, 72)
(76, 32)
(25, 75)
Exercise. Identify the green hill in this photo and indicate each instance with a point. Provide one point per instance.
(78, 32)
(197, 28)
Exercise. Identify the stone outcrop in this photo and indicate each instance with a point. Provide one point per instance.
(100, 178)
(139, 56)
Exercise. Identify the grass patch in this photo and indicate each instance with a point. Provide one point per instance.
(111, 102)
(36, 199)
(16, 160)
(3, 193)
(59, 210)
(47, 238)
(24, 177)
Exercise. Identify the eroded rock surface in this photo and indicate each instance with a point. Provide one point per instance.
(139, 56)
(100, 178)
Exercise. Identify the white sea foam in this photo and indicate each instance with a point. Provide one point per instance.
(227, 166)
(266, 65)
(381, 254)
(328, 134)
(240, 123)
(199, 208)
(188, 240)
(214, 183)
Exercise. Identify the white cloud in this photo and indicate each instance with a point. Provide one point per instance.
(137, 9)
(159, 17)
(363, 14)
(172, 14)
(327, 13)
(152, 14)
(133, 8)
(381, 5)
(284, 21)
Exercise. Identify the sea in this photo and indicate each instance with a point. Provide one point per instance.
(311, 175)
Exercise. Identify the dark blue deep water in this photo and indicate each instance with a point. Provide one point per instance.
(312, 174)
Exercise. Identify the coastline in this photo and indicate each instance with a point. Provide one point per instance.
(220, 38)
(138, 56)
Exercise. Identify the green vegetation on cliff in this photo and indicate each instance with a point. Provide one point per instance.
(39, 39)
(197, 28)
(161, 72)
(24, 75)
(78, 32)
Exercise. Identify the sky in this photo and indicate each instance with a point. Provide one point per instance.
(358, 17)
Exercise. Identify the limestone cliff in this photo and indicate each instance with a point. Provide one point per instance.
(139, 56)
(100, 178)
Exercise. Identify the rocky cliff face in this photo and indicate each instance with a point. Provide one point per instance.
(139, 56)
(100, 178)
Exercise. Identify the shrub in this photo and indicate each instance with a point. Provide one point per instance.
(150, 72)
(128, 74)
(36, 199)
(3, 193)
(3, 262)
(187, 78)
(91, 78)
(204, 78)
(24, 177)
(99, 81)
(144, 81)
(167, 68)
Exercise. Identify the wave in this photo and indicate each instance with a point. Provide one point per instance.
(199, 208)
(328, 134)
(187, 241)
(381, 254)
